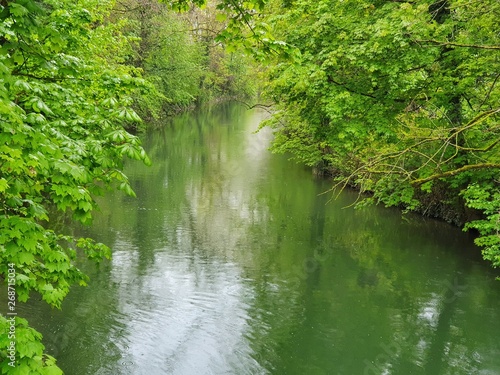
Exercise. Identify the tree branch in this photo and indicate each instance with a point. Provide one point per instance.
(490, 90)
(257, 105)
(485, 149)
(331, 80)
(242, 14)
(454, 172)
(47, 79)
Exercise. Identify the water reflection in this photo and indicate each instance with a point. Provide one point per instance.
(230, 261)
(187, 315)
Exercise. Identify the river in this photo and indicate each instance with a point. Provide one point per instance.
(232, 260)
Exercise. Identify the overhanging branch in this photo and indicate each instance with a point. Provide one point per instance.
(454, 172)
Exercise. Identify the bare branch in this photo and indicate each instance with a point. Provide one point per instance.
(257, 105)
(454, 172)
(485, 149)
(490, 90)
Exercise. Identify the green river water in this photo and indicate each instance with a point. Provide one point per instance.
(231, 261)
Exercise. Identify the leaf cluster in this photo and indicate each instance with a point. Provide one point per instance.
(65, 98)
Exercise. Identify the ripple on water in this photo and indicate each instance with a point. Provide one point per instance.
(187, 316)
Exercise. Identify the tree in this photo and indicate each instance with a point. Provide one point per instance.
(228, 71)
(167, 54)
(181, 57)
(400, 99)
(65, 95)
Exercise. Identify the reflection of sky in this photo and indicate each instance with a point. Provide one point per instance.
(179, 303)
(223, 204)
(188, 312)
(186, 315)
(429, 312)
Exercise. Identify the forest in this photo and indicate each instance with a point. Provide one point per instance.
(398, 99)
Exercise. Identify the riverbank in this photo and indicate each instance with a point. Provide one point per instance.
(441, 203)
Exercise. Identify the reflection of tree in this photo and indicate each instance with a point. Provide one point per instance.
(370, 283)
(437, 348)
(316, 288)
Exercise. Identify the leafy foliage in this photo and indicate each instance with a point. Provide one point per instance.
(243, 28)
(182, 57)
(486, 197)
(65, 96)
(229, 71)
(166, 54)
(398, 98)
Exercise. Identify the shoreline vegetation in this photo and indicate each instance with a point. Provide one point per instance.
(399, 99)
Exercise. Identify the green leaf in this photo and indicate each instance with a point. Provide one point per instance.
(52, 370)
(221, 17)
(17, 9)
(3, 184)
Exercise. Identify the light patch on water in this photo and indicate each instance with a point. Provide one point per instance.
(187, 315)
(429, 313)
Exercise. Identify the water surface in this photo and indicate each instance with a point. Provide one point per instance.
(231, 261)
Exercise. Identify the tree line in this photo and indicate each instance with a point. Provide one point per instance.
(400, 99)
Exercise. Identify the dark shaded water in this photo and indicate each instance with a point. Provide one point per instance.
(230, 261)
